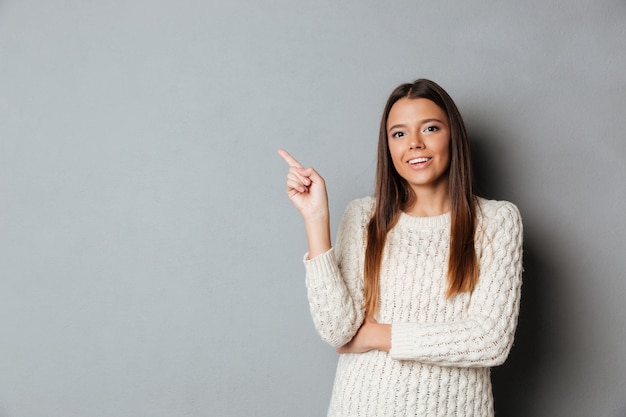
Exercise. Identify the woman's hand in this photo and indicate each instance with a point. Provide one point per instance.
(307, 191)
(371, 336)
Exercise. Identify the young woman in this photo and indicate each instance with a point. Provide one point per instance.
(420, 294)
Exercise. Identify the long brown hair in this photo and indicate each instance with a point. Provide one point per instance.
(393, 195)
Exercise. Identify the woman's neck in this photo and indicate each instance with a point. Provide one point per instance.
(429, 203)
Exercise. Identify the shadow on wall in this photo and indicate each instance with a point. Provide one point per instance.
(514, 382)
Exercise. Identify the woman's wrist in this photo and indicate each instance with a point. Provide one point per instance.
(382, 337)
(318, 236)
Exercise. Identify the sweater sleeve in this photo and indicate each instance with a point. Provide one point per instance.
(484, 336)
(334, 280)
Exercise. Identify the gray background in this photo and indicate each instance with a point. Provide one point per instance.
(150, 261)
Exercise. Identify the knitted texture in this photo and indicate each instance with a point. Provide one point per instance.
(441, 349)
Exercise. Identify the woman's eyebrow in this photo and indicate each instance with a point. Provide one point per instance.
(396, 126)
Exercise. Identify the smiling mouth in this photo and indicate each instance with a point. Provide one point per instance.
(418, 161)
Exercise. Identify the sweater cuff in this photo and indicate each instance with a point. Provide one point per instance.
(403, 341)
(324, 264)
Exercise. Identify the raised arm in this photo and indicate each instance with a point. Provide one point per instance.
(333, 276)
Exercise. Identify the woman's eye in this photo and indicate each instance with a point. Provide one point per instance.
(397, 134)
(431, 129)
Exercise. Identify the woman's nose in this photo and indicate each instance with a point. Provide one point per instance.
(416, 142)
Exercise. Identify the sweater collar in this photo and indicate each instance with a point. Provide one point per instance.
(424, 222)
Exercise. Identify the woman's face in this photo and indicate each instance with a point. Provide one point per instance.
(418, 133)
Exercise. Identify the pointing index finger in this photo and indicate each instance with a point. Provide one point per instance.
(291, 161)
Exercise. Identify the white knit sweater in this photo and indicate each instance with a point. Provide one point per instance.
(441, 349)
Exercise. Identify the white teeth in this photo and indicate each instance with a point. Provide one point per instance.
(418, 160)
